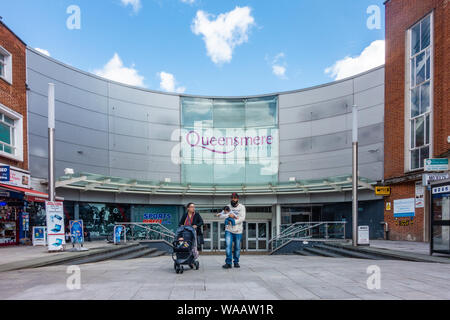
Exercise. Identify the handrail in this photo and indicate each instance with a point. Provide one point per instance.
(292, 232)
(151, 227)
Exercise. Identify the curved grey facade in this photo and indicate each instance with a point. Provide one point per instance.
(116, 130)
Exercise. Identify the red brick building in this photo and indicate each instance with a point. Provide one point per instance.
(417, 110)
(13, 100)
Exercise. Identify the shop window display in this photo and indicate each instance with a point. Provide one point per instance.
(99, 219)
(9, 214)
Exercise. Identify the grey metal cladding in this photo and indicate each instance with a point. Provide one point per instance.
(107, 128)
(67, 93)
(369, 80)
(316, 111)
(57, 71)
(128, 110)
(317, 94)
(66, 113)
(141, 129)
(144, 97)
(316, 124)
(121, 160)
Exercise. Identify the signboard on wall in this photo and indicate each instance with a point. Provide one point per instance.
(420, 200)
(55, 225)
(18, 179)
(4, 173)
(164, 215)
(383, 191)
(404, 208)
(436, 164)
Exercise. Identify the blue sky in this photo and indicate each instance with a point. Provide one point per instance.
(206, 47)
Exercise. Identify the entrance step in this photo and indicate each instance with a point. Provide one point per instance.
(137, 254)
(321, 252)
(302, 252)
(156, 253)
(107, 256)
(347, 253)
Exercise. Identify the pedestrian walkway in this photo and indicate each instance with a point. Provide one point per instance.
(259, 278)
(24, 253)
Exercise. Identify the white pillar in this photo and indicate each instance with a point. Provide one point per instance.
(278, 218)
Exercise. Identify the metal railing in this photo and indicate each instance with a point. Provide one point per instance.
(147, 231)
(321, 230)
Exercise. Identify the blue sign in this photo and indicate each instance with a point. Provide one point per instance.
(117, 233)
(404, 208)
(5, 173)
(76, 231)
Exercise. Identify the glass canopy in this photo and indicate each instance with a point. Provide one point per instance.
(96, 182)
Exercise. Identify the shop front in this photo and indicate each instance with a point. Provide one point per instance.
(11, 208)
(20, 210)
(440, 217)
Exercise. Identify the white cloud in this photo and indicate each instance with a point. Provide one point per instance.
(115, 70)
(136, 4)
(279, 71)
(279, 66)
(43, 51)
(188, 1)
(371, 57)
(223, 34)
(168, 83)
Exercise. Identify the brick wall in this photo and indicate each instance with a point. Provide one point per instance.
(414, 230)
(15, 96)
(400, 16)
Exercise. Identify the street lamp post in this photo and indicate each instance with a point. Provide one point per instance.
(51, 137)
(355, 175)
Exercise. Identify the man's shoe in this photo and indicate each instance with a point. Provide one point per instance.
(226, 266)
(236, 265)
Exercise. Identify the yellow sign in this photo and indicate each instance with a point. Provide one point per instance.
(388, 206)
(383, 191)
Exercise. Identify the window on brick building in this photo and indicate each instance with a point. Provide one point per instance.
(11, 134)
(420, 91)
(5, 65)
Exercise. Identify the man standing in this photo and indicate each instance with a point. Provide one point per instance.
(233, 234)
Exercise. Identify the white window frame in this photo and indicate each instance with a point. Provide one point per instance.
(7, 65)
(408, 119)
(18, 134)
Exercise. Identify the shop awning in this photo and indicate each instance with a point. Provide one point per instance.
(32, 195)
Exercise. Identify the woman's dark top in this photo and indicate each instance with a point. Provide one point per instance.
(198, 221)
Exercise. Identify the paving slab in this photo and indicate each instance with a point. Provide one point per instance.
(259, 278)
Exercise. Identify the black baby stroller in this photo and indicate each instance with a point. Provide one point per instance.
(185, 249)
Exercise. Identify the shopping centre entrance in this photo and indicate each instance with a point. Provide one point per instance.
(255, 236)
(256, 230)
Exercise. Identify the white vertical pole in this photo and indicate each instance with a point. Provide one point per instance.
(51, 137)
(355, 175)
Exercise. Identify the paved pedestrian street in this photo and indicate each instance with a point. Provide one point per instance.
(259, 278)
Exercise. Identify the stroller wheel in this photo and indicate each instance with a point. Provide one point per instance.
(197, 265)
(181, 270)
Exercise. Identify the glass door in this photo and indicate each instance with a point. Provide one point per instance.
(440, 219)
(257, 236)
(207, 236)
(222, 245)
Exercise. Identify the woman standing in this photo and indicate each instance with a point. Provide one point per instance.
(192, 218)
